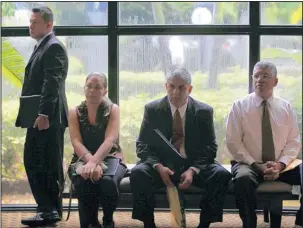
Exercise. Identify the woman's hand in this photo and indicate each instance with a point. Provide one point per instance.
(91, 171)
(98, 172)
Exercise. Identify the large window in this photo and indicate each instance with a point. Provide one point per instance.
(281, 13)
(135, 44)
(65, 13)
(185, 13)
(219, 65)
(286, 53)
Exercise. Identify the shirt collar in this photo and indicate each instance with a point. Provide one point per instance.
(182, 109)
(40, 41)
(258, 100)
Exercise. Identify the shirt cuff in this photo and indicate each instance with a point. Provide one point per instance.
(285, 160)
(43, 115)
(154, 166)
(197, 171)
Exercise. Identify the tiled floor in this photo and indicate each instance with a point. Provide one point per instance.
(123, 220)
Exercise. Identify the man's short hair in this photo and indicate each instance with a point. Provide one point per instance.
(181, 73)
(266, 65)
(45, 12)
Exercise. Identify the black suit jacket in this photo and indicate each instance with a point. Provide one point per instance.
(45, 74)
(200, 140)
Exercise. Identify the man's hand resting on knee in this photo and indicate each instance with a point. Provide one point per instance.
(186, 179)
(269, 170)
(273, 170)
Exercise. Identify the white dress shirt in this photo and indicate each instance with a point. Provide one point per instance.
(40, 41)
(244, 130)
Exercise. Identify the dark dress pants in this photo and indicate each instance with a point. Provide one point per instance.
(213, 179)
(246, 182)
(104, 191)
(43, 156)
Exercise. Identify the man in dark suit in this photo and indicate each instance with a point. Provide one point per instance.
(45, 75)
(189, 125)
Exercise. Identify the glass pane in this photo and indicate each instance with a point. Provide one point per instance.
(185, 13)
(286, 53)
(86, 54)
(219, 67)
(281, 13)
(65, 13)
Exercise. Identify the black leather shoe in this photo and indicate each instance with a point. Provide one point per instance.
(204, 225)
(149, 225)
(109, 225)
(95, 226)
(42, 219)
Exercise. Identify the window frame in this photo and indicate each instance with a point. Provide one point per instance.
(113, 30)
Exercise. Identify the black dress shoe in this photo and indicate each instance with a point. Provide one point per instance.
(206, 225)
(149, 225)
(109, 224)
(95, 226)
(42, 219)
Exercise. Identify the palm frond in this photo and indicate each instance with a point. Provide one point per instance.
(13, 63)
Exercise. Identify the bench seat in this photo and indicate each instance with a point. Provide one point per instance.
(270, 196)
(265, 187)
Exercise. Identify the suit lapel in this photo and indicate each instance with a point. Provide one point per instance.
(189, 120)
(39, 48)
(166, 117)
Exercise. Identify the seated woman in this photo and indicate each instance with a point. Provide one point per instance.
(94, 130)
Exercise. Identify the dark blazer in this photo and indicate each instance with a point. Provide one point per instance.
(45, 74)
(200, 140)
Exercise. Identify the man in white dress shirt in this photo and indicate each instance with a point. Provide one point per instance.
(262, 136)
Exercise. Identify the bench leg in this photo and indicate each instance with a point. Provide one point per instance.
(266, 214)
(275, 213)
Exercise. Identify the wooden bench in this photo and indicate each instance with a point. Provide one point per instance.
(270, 196)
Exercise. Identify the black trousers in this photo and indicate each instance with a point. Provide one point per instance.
(213, 178)
(105, 191)
(43, 156)
(246, 182)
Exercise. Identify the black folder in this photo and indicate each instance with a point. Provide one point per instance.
(112, 164)
(29, 106)
(170, 151)
(170, 156)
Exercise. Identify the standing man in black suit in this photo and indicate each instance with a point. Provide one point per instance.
(45, 75)
(189, 125)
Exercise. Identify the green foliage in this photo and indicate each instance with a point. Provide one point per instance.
(136, 13)
(12, 63)
(283, 12)
(227, 10)
(69, 13)
(12, 142)
(75, 66)
(8, 9)
(268, 53)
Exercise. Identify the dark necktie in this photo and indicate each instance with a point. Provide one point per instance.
(35, 47)
(268, 149)
(177, 137)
